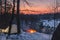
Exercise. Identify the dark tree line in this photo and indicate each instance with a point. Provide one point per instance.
(4, 20)
(7, 18)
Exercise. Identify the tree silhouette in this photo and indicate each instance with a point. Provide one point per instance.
(56, 34)
(4, 20)
(0, 6)
(17, 16)
(5, 5)
(5, 17)
(26, 2)
(12, 17)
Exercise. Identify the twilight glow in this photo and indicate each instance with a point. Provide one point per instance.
(38, 6)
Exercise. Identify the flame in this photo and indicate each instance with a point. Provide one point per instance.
(31, 31)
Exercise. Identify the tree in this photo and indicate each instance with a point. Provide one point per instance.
(12, 17)
(0, 6)
(26, 2)
(17, 17)
(5, 5)
(56, 34)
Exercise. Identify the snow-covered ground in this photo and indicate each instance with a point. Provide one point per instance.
(28, 36)
(35, 36)
(51, 23)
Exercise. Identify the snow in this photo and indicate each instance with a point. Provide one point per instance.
(35, 36)
(28, 36)
(51, 23)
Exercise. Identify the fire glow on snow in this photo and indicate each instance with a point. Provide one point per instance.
(31, 31)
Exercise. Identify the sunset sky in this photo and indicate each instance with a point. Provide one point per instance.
(37, 6)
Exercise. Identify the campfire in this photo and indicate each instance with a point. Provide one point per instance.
(31, 31)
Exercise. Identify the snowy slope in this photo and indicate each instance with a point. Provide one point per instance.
(27, 36)
(34, 36)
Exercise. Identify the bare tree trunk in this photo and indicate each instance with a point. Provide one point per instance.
(17, 17)
(56, 34)
(5, 5)
(12, 17)
(1, 7)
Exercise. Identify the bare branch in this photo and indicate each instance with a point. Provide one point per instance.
(27, 3)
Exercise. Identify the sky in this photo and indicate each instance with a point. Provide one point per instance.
(37, 6)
